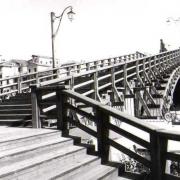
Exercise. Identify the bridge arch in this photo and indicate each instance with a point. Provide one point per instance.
(176, 95)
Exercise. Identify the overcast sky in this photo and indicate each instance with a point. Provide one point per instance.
(101, 28)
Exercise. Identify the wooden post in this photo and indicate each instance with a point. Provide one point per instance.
(19, 84)
(36, 123)
(157, 152)
(102, 63)
(137, 71)
(125, 77)
(109, 62)
(96, 65)
(115, 60)
(62, 121)
(95, 85)
(37, 78)
(54, 73)
(113, 77)
(155, 63)
(120, 59)
(68, 69)
(102, 120)
(129, 57)
(72, 83)
(87, 66)
(78, 68)
(136, 103)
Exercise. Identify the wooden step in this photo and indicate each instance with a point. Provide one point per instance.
(44, 164)
(15, 111)
(15, 106)
(11, 138)
(97, 172)
(22, 95)
(27, 151)
(8, 102)
(28, 154)
(14, 116)
(11, 122)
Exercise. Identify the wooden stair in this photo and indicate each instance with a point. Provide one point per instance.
(16, 110)
(42, 154)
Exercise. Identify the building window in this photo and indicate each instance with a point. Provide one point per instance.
(29, 70)
(35, 69)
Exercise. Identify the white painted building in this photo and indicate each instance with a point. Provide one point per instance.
(41, 63)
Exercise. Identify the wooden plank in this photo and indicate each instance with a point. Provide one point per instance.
(54, 81)
(104, 86)
(47, 96)
(130, 136)
(104, 77)
(173, 156)
(83, 84)
(118, 72)
(111, 111)
(170, 177)
(169, 134)
(81, 112)
(83, 127)
(130, 153)
(88, 92)
(8, 85)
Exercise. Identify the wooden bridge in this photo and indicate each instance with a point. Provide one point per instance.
(103, 98)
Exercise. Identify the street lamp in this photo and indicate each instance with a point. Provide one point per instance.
(70, 15)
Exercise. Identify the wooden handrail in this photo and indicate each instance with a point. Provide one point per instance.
(157, 143)
(40, 77)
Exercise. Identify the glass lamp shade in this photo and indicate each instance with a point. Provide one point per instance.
(71, 15)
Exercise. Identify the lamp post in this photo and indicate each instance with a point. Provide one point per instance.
(70, 15)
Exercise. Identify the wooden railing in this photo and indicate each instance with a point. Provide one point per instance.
(151, 138)
(20, 83)
(120, 75)
(124, 68)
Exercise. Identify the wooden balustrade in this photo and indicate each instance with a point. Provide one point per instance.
(156, 144)
(21, 83)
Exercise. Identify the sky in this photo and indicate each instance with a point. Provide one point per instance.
(100, 29)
